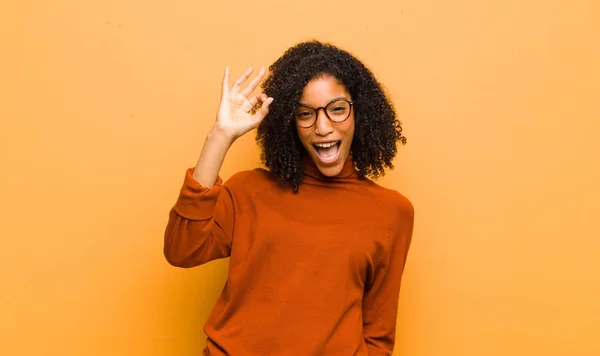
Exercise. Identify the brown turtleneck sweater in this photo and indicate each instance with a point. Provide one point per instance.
(312, 273)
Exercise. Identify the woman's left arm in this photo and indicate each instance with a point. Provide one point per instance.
(380, 300)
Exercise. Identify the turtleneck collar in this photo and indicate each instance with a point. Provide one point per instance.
(313, 175)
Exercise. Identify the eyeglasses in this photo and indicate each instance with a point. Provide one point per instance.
(337, 111)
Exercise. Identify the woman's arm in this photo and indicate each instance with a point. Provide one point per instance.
(234, 119)
(201, 223)
(380, 301)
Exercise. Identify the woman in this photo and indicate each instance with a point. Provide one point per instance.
(316, 249)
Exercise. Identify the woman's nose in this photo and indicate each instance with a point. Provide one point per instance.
(323, 125)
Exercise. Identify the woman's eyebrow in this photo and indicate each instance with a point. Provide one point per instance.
(338, 98)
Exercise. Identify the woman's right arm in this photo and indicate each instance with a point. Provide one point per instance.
(234, 119)
(201, 222)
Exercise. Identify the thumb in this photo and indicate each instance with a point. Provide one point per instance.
(264, 109)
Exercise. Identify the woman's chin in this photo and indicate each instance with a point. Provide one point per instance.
(330, 171)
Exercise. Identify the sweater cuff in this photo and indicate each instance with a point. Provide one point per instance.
(197, 202)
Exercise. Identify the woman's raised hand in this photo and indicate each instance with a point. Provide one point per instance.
(238, 113)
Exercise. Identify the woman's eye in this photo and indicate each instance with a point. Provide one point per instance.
(303, 114)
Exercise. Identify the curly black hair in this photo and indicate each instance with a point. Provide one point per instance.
(376, 128)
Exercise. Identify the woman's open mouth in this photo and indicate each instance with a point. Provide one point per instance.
(328, 152)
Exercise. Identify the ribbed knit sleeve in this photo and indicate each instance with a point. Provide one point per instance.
(200, 225)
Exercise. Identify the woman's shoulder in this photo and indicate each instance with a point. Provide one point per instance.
(391, 198)
(251, 181)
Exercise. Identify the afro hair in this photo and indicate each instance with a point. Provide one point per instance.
(377, 130)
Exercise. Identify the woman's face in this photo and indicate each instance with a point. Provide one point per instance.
(326, 142)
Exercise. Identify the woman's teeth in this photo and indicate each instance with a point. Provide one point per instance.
(327, 151)
(325, 145)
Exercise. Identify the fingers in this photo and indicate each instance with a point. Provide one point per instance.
(254, 83)
(251, 105)
(264, 109)
(253, 101)
(225, 85)
(238, 83)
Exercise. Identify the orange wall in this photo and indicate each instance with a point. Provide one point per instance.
(105, 103)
